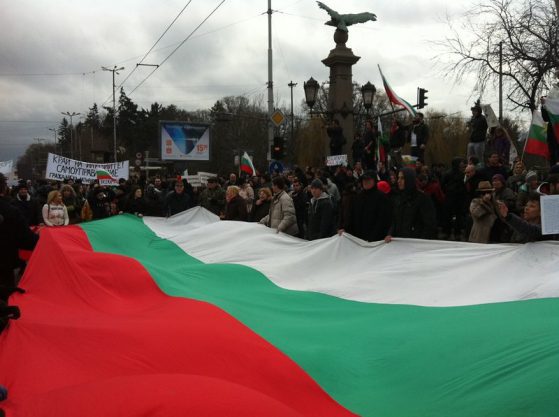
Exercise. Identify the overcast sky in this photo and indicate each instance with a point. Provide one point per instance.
(52, 52)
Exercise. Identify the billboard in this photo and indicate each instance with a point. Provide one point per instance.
(185, 141)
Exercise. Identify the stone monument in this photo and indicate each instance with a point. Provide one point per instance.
(340, 60)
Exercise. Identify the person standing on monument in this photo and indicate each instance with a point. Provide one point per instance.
(478, 133)
(337, 139)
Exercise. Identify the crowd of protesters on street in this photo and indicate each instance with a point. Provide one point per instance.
(374, 199)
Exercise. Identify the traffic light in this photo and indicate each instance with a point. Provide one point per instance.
(278, 148)
(421, 97)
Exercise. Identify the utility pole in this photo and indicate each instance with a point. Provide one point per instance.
(501, 83)
(53, 130)
(291, 85)
(270, 84)
(114, 70)
(71, 115)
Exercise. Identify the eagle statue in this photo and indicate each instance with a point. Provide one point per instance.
(342, 21)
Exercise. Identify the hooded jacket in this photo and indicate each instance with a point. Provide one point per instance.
(320, 217)
(414, 213)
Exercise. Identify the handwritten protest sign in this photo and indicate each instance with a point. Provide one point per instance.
(60, 168)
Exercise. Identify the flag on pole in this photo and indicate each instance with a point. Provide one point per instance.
(552, 107)
(246, 165)
(381, 154)
(536, 143)
(395, 98)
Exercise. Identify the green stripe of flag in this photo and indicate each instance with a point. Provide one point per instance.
(375, 359)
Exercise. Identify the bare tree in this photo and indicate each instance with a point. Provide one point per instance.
(528, 31)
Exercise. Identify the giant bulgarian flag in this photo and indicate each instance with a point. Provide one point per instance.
(192, 316)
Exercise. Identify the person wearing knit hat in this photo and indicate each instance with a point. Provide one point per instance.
(530, 186)
(503, 192)
(384, 187)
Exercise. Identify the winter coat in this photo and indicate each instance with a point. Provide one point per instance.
(236, 209)
(177, 202)
(14, 234)
(213, 200)
(483, 215)
(260, 210)
(55, 215)
(478, 125)
(282, 214)
(29, 208)
(320, 217)
(369, 216)
(413, 213)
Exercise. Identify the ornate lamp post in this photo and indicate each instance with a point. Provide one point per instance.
(311, 90)
(368, 92)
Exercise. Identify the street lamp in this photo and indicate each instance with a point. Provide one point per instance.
(368, 92)
(311, 90)
(114, 70)
(71, 115)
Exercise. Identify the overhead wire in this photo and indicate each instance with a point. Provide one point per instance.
(178, 47)
(154, 45)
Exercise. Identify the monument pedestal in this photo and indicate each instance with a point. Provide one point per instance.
(340, 96)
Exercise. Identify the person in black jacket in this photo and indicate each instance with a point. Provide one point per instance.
(320, 213)
(27, 205)
(14, 235)
(178, 200)
(337, 139)
(414, 213)
(455, 205)
(369, 215)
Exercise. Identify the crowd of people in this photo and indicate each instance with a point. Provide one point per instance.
(377, 198)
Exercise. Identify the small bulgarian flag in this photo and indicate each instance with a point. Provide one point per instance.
(536, 144)
(247, 165)
(382, 139)
(105, 178)
(394, 98)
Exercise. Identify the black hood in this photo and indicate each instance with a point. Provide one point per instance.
(409, 179)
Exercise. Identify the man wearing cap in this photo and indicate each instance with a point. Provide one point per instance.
(478, 134)
(484, 211)
(213, 197)
(320, 213)
(370, 214)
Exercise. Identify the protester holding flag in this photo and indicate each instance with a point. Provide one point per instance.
(212, 197)
(550, 113)
(14, 234)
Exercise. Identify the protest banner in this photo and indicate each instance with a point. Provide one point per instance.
(335, 160)
(60, 168)
(6, 167)
(550, 214)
